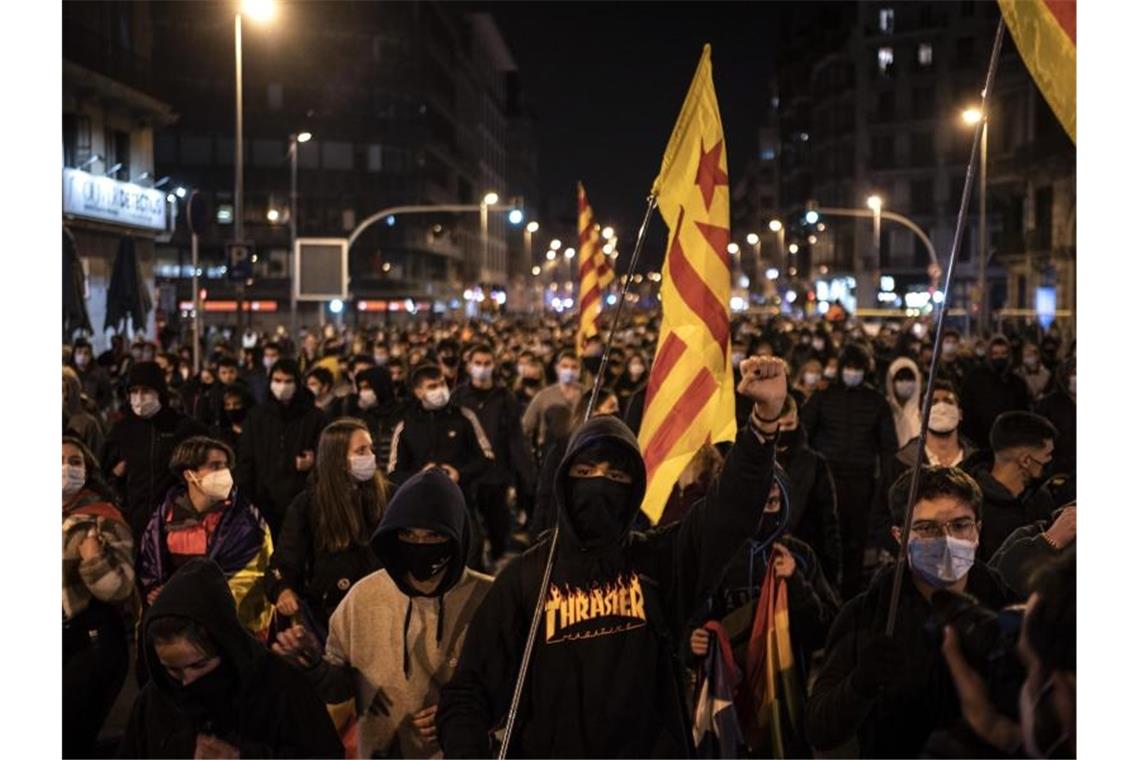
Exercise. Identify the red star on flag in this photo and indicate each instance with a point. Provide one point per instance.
(709, 173)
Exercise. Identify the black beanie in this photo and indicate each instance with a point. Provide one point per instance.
(147, 375)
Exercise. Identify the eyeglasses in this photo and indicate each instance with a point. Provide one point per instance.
(596, 471)
(962, 527)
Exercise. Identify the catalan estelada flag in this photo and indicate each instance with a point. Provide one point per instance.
(1045, 32)
(689, 400)
(591, 260)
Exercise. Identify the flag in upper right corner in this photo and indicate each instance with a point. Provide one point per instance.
(1045, 32)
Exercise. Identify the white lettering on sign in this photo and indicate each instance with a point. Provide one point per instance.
(107, 200)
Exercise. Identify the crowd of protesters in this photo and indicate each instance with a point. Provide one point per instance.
(334, 546)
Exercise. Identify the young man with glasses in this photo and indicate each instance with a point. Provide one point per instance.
(891, 693)
(1012, 475)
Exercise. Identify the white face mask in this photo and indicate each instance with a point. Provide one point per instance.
(817, 344)
(268, 362)
(636, 371)
(437, 398)
(811, 378)
(568, 376)
(904, 389)
(852, 377)
(366, 399)
(82, 360)
(944, 417)
(830, 373)
(949, 350)
(362, 468)
(74, 476)
(145, 404)
(481, 374)
(283, 392)
(1030, 363)
(217, 485)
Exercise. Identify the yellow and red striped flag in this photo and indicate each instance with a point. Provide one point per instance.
(689, 400)
(1045, 32)
(589, 284)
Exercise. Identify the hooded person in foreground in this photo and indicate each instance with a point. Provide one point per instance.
(394, 640)
(604, 679)
(215, 690)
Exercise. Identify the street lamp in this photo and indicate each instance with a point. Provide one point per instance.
(551, 255)
(776, 226)
(875, 203)
(294, 141)
(555, 244)
(972, 116)
(793, 248)
(752, 238)
(490, 199)
(260, 11)
(607, 233)
(569, 253)
(733, 249)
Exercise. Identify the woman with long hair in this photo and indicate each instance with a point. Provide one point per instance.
(324, 544)
(98, 583)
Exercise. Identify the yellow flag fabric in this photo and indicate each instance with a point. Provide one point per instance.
(689, 400)
(1045, 32)
(590, 263)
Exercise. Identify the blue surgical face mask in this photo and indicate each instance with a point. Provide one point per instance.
(567, 376)
(942, 561)
(852, 377)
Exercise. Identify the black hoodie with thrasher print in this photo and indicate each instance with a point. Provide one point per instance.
(604, 681)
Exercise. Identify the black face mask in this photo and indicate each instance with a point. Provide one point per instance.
(208, 701)
(999, 365)
(423, 561)
(235, 416)
(597, 510)
(769, 524)
(450, 361)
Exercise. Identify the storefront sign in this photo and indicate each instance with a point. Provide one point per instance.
(107, 200)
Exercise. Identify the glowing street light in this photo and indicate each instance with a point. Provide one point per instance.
(607, 233)
(491, 199)
(260, 11)
(550, 255)
(180, 192)
(569, 253)
(536, 271)
(752, 238)
(811, 217)
(733, 248)
(273, 215)
(515, 217)
(532, 227)
(775, 225)
(793, 248)
(555, 244)
(972, 116)
(304, 137)
(875, 203)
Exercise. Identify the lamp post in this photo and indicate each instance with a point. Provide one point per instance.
(294, 141)
(972, 116)
(490, 199)
(777, 226)
(875, 203)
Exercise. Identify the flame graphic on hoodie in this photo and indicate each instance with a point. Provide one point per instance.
(575, 613)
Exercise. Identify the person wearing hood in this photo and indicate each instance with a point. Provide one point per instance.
(215, 690)
(851, 424)
(904, 395)
(634, 377)
(376, 405)
(812, 605)
(990, 388)
(1011, 475)
(98, 582)
(324, 545)
(604, 679)
(891, 693)
(320, 382)
(76, 420)
(236, 403)
(204, 515)
(258, 378)
(500, 416)
(279, 443)
(395, 639)
(437, 432)
(138, 448)
(813, 516)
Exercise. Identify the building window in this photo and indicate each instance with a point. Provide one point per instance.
(118, 151)
(922, 196)
(375, 158)
(76, 139)
(922, 148)
(883, 152)
(886, 60)
(922, 102)
(886, 106)
(887, 20)
(925, 54)
(336, 155)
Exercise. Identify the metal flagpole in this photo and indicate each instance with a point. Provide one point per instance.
(528, 651)
(896, 587)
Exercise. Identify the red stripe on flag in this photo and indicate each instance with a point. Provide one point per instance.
(1065, 11)
(718, 240)
(678, 420)
(695, 292)
(592, 296)
(671, 351)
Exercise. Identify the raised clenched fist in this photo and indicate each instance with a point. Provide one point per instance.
(764, 380)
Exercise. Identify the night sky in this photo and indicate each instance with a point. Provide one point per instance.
(607, 79)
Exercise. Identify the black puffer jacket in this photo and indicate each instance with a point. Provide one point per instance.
(146, 445)
(273, 436)
(850, 426)
(269, 709)
(381, 418)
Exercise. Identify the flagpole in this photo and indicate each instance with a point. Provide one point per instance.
(536, 619)
(959, 228)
